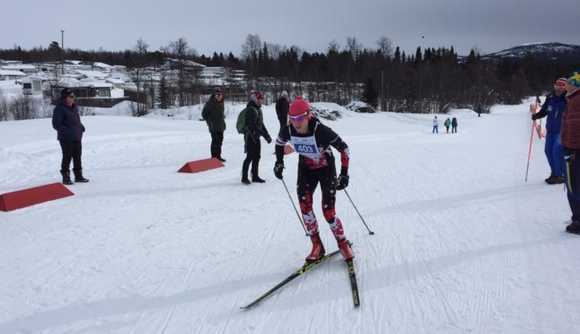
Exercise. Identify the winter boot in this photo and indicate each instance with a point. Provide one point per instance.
(66, 177)
(574, 227)
(219, 154)
(344, 246)
(245, 179)
(256, 178)
(317, 249)
(79, 176)
(558, 180)
(550, 179)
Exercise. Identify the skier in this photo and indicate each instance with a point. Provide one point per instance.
(454, 125)
(213, 115)
(252, 144)
(435, 125)
(571, 142)
(447, 124)
(554, 107)
(312, 140)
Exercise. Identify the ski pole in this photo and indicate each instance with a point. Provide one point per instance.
(294, 205)
(530, 149)
(361, 218)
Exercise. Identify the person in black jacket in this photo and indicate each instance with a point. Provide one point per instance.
(256, 129)
(282, 106)
(213, 114)
(67, 123)
(312, 140)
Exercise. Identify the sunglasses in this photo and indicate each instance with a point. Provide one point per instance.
(298, 118)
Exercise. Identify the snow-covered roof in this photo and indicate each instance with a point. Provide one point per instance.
(91, 74)
(9, 72)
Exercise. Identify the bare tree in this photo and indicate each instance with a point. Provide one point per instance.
(251, 47)
(23, 107)
(385, 46)
(180, 50)
(3, 107)
(137, 61)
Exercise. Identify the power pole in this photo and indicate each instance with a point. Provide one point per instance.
(62, 51)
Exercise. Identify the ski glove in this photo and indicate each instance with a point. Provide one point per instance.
(534, 117)
(570, 155)
(268, 139)
(278, 168)
(342, 179)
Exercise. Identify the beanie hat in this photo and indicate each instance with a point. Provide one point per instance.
(574, 78)
(217, 92)
(258, 94)
(284, 93)
(560, 83)
(65, 92)
(300, 107)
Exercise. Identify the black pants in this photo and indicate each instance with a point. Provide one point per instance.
(253, 150)
(71, 150)
(217, 138)
(283, 121)
(573, 178)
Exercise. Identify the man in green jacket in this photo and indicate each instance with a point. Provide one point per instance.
(213, 114)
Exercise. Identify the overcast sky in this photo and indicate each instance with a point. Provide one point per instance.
(222, 26)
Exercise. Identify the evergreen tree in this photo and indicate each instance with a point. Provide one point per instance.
(370, 95)
(163, 93)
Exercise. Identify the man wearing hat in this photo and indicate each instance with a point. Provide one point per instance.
(571, 142)
(313, 140)
(67, 123)
(213, 114)
(554, 107)
(282, 106)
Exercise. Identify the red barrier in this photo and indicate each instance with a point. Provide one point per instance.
(32, 196)
(201, 165)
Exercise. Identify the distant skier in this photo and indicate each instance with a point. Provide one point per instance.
(447, 124)
(435, 125)
(312, 140)
(454, 125)
(554, 107)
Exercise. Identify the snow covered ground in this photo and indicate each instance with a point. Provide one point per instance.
(462, 244)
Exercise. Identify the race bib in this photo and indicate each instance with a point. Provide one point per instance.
(306, 146)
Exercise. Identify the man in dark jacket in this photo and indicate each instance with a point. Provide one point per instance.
(282, 106)
(256, 129)
(554, 107)
(67, 122)
(571, 142)
(213, 114)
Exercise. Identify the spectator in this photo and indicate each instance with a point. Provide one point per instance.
(454, 125)
(252, 145)
(282, 106)
(213, 114)
(447, 124)
(571, 141)
(554, 107)
(67, 123)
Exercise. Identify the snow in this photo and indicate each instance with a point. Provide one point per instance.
(462, 244)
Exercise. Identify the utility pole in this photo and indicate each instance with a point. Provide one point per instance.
(62, 51)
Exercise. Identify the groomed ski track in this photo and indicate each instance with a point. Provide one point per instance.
(462, 244)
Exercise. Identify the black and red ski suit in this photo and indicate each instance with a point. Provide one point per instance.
(316, 165)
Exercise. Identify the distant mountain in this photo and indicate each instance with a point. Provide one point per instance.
(543, 52)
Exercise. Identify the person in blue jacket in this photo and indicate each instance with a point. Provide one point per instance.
(67, 123)
(554, 107)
